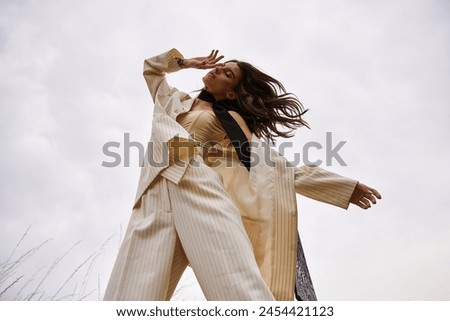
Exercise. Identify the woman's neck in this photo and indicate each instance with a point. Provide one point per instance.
(201, 105)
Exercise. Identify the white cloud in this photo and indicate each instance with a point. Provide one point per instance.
(370, 73)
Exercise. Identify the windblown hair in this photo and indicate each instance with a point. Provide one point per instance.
(264, 103)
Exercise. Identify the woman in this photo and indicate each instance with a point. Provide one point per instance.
(204, 200)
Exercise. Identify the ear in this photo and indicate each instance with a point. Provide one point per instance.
(231, 95)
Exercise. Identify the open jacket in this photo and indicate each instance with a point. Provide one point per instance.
(269, 208)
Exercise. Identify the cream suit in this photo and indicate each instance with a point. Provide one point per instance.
(186, 212)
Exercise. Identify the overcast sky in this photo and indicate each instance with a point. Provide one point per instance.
(373, 73)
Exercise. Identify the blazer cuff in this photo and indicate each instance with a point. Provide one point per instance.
(324, 186)
(163, 63)
(172, 62)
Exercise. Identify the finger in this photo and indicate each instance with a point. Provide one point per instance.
(366, 202)
(207, 66)
(370, 197)
(217, 59)
(213, 55)
(213, 65)
(375, 192)
(362, 205)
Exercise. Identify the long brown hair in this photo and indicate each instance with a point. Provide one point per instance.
(264, 103)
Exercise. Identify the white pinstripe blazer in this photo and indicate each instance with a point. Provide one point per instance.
(272, 222)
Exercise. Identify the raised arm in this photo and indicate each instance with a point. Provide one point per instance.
(156, 68)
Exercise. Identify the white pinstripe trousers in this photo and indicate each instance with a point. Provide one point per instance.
(194, 222)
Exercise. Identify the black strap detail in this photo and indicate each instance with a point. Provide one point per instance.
(231, 127)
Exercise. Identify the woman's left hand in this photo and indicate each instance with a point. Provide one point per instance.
(363, 196)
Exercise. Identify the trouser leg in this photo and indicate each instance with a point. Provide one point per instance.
(214, 239)
(179, 265)
(151, 260)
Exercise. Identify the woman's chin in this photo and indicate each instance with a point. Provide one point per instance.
(205, 81)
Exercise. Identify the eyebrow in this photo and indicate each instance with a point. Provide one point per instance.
(232, 72)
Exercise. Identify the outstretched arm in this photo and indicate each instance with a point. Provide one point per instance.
(328, 187)
(324, 186)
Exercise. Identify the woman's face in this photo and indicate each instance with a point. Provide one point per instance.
(221, 81)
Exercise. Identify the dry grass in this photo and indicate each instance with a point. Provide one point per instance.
(33, 287)
(27, 286)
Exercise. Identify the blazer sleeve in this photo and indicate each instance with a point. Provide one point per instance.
(155, 70)
(324, 186)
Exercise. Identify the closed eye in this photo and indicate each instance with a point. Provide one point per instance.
(229, 73)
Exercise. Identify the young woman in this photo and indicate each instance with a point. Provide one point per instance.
(213, 195)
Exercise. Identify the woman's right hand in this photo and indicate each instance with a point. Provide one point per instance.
(207, 62)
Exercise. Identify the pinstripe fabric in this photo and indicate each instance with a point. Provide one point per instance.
(216, 244)
(193, 222)
(155, 251)
(150, 259)
(324, 186)
(275, 182)
(168, 102)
